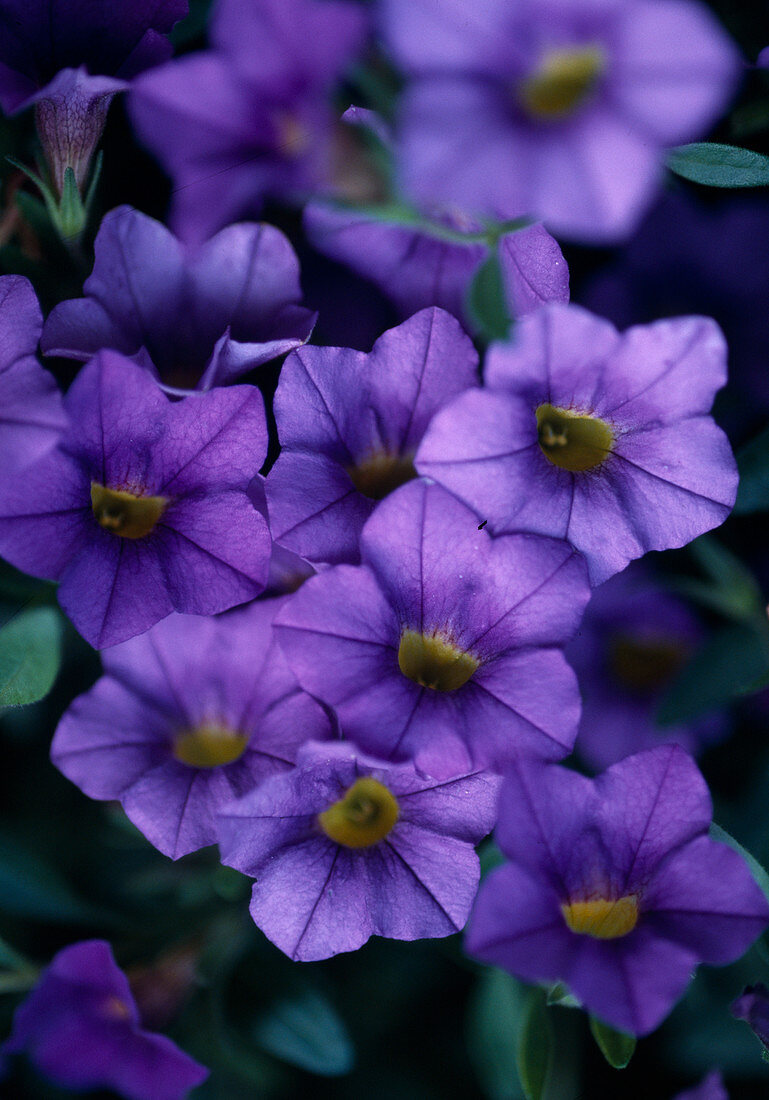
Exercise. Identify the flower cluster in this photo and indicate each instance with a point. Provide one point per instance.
(358, 605)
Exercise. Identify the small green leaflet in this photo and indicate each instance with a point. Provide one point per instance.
(717, 165)
(30, 655)
(616, 1047)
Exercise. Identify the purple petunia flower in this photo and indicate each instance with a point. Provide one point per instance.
(350, 425)
(445, 645)
(190, 715)
(80, 1027)
(197, 320)
(31, 410)
(142, 509)
(346, 846)
(711, 258)
(614, 886)
(633, 640)
(433, 262)
(710, 1088)
(554, 108)
(250, 118)
(752, 1006)
(69, 58)
(594, 436)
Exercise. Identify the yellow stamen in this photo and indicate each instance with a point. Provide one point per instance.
(602, 918)
(382, 473)
(209, 746)
(562, 83)
(645, 665)
(573, 441)
(126, 514)
(432, 662)
(363, 816)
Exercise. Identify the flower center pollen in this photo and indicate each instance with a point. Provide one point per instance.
(363, 816)
(381, 474)
(562, 83)
(645, 665)
(602, 918)
(209, 746)
(432, 662)
(126, 514)
(573, 441)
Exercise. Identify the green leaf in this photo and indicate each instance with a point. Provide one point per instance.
(486, 301)
(494, 1021)
(719, 165)
(560, 994)
(30, 655)
(535, 1046)
(753, 462)
(616, 1047)
(306, 1031)
(32, 888)
(758, 872)
(732, 662)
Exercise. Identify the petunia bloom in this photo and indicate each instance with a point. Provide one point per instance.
(591, 435)
(710, 1088)
(445, 645)
(633, 640)
(752, 1006)
(346, 846)
(614, 886)
(142, 508)
(432, 261)
(69, 58)
(560, 109)
(252, 117)
(195, 319)
(31, 410)
(350, 424)
(80, 1027)
(188, 716)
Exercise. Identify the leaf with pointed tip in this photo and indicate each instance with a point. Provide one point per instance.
(616, 1047)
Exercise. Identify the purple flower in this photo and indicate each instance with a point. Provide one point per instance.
(710, 1088)
(594, 436)
(614, 886)
(445, 645)
(80, 1027)
(345, 847)
(693, 257)
(142, 509)
(752, 1006)
(198, 320)
(31, 410)
(634, 639)
(350, 425)
(251, 117)
(433, 262)
(190, 715)
(69, 57)
(558, 109)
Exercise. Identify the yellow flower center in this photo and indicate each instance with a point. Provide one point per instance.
(562, 83)
(573, 441)
(381, 474)
(126, 514)
(116, 1008)
(645, 665)
(432, 662)
(209, 746)
(363, 816)
(602, 918)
